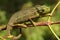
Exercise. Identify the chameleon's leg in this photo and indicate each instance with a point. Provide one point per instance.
(33, 22)
(21, 25)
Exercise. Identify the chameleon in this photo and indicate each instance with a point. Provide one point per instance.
(26, 14)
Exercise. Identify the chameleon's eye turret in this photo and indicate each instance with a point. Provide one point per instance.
(46, 9)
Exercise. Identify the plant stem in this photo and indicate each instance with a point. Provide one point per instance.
(55, 7)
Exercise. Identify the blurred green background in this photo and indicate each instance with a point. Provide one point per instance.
(9, 7)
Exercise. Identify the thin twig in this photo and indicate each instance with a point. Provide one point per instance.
(55, 8)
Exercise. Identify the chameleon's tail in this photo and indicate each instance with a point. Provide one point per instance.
(9, 28)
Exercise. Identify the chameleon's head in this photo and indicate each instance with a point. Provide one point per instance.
(43, 9)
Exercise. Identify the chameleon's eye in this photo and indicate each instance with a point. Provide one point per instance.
(41, 11)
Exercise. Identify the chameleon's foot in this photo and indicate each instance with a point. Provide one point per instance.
(21, 25)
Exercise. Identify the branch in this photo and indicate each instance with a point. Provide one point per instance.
(30, 25)
(38, 24)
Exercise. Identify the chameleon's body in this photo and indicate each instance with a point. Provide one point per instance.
(23, 15)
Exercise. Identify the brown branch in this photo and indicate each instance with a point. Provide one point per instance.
(37, 24)
(40, 24)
